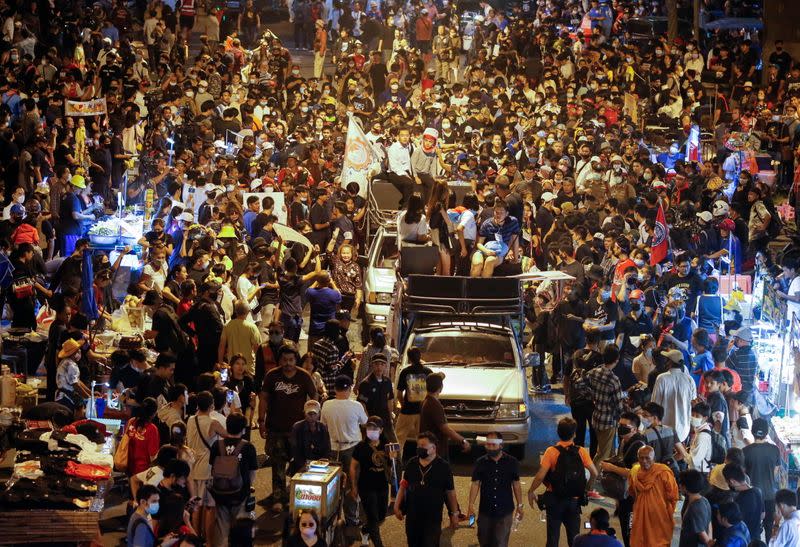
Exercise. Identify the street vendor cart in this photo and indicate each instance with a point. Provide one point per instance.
(319, 487)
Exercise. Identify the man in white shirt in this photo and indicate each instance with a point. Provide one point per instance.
(343, 418)
(400, 173)
(675, 390)
(788, 535)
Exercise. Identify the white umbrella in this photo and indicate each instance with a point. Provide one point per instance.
(290, 234)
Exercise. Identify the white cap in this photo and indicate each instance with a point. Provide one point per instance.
(748, 84)
(431, 132)
(548, 196)
(219, 143)
(705, 216)
(186, 217)
(595, 159)
(202, 83)
(255, 183)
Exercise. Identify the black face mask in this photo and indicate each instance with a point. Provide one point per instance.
(422, 453)
(623, 430)
(636, 306)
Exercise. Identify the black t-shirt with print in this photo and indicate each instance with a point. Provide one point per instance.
(373, 464)
(286, 398)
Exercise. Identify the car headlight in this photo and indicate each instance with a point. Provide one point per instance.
(511, 411)
(379, 298)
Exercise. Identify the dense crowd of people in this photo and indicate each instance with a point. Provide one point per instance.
(542, 111)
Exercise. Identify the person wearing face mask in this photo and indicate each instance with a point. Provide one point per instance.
(698, 455)
(658, 436)
(630, 441)
(601, 314)
(643, 364)
(70, 391)
(141, 528)
(368, 473)
(376, 393)
(629, 331)
(427, 485)
(496, 477)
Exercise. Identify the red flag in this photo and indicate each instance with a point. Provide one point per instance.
(660, 244)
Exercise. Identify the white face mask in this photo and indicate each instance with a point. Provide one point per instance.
(373, 434)
(21, 199)
(697, 422)
(201, 89)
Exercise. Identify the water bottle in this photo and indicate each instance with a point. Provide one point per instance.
(250, 504)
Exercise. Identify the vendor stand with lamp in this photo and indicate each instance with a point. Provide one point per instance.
(319, 487)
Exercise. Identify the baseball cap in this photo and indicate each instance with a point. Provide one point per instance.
(727, 224)
(375, 421)
(548, 196)
(311, 406)
(760, 428)
(17, 209)
(673, 355)
(743, 333)
(705, 216)
(342, 382)
(186, 217)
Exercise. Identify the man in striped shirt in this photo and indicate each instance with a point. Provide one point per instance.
(743, 360)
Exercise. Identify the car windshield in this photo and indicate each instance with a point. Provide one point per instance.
(387, 255)
(464, 347)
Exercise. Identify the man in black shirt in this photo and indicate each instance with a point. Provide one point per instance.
(207, 318)
(230, 506)
(496, 477)
(156, 382)
(410, 392)
(320, 220)
(368, 473)
(376, 393)
(426, 486)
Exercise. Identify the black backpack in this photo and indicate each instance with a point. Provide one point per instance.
(775, 223)
(568, 478)
(718, 446)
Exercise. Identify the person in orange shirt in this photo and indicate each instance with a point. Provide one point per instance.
(655, 495)
(566, 491)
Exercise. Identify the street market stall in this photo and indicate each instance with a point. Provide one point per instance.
(59, 480)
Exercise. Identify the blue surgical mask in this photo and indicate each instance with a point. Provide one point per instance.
(605, 295)
(153, 508)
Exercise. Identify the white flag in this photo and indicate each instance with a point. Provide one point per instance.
(360, 161)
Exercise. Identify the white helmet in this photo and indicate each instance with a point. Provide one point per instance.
(720, 208)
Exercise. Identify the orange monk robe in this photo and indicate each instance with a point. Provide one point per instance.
(656, 493)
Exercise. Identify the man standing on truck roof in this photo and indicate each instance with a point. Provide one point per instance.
(410, 394)
(432, 417)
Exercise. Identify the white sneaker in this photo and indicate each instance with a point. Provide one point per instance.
(364, 539)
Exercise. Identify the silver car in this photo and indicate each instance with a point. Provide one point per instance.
(379, 278)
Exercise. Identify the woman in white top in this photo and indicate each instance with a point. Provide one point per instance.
(412, 225)
(154, 274)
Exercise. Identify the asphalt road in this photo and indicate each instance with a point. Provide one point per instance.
(546, 411)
